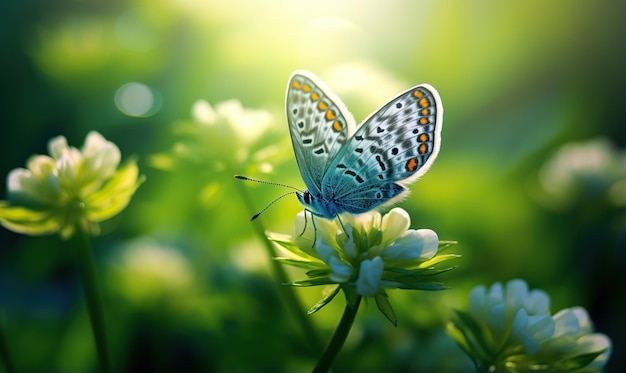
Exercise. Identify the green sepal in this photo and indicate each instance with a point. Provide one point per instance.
(473, 343)
(312, 282)
(351, 295)
(382, 301)
(568, 364)
(301, 263)
(329, 296)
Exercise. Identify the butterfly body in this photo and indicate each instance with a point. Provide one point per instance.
(355, 171)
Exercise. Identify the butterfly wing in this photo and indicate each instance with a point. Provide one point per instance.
(394, 146)
(319, 125)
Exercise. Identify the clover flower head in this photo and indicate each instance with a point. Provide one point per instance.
(369, 254)
(510, 328)
(69, 188)
(585, 170)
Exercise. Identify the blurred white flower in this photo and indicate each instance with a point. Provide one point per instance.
(574, 336)
(510, 329)
(513, 314)
(248, 124)
(582, 170)
(69, 188)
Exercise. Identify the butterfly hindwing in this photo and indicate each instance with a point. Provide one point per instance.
(319, 125)
(394, 146)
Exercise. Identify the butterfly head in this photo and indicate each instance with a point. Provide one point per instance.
(316, 205)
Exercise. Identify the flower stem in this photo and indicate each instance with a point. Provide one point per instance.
(339, 338)
(287, 292)
(4, 349)
(93, 297)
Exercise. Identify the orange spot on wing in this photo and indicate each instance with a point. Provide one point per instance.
(423, 121)
(296, 84)
(306, 88)
(424, 102)
(322, 106)
(337, 126)
(417, 94)
(425, 112)
(411, 164)
(330, 115)
(422, 149)
(423, 137)
(315, 96)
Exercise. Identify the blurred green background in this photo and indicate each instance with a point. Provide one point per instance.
(186, 281)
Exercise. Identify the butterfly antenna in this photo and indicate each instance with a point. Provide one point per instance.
(266, 182)
(245, 178)
(271, 203)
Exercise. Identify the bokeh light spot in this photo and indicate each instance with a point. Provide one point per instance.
(137, 100)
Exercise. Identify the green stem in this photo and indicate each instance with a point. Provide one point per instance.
(93, 297)
(287, 292)
(339, 338)
(4, 349)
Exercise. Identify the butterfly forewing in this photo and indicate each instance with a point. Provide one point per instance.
(319, 126)
(397, 143)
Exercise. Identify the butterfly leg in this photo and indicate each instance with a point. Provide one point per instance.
(342, 226)
(314, 226)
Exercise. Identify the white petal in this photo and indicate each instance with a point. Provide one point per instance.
(324, 250)
(67, 169)
(566, 323)
(515, 295)
(203, 113)
(370, 274)
(431, 243)
(394, 224)
(537, 302)
(597, 342)
(341, 271)
(24, 188)
(477, 301)
(57, 147)
(540, 327)
(408, 246)
(41, 166)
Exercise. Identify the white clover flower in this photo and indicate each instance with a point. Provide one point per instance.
(69, 188)
(510, 329)
(581, 170)
(514, 315)
(573, 336)
(372, 254)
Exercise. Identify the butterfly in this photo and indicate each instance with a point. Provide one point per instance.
(355, 170)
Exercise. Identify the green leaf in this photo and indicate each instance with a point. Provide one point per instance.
(322, 272)
(330, 295)
(423, 285)
(458, 336)
(568, 364)
(28, 221)
(115, 195)
(304, 263)
(473, 335)
(438, 259)
(312, 282)
(286, 242)
(382, 301)
(444, 245)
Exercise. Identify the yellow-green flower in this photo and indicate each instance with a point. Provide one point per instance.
(69, 188)
(372, 254)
